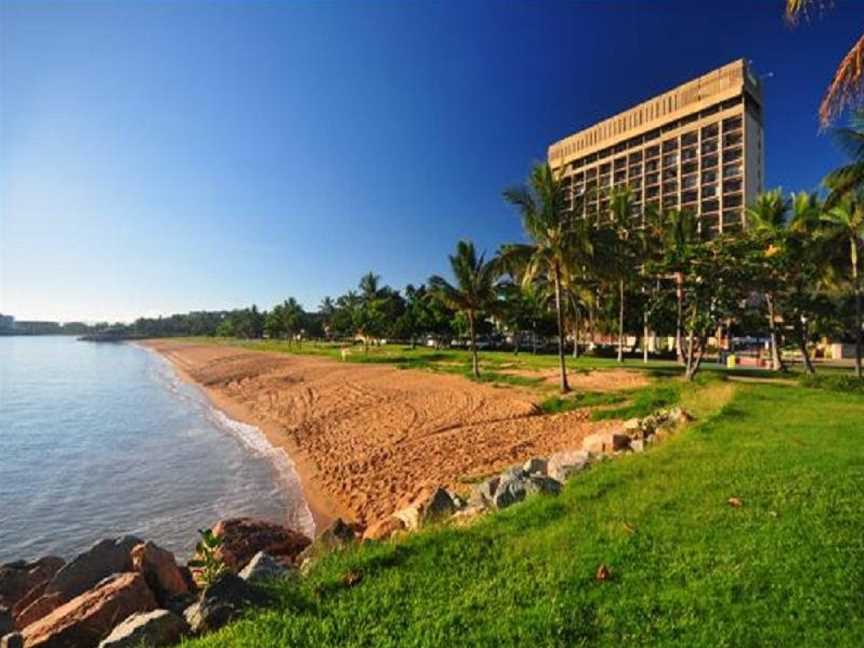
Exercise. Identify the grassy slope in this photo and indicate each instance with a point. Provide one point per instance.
(687, 569)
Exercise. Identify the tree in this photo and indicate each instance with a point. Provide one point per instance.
(556, 240)
(474, 293)
(767, 220)
(681, 232)
(620, 253)
(845, 224)
(848, 83)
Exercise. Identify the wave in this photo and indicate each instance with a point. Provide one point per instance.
(298, 514)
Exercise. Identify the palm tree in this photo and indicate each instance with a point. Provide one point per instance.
(650, 239)
(804, 262)
(767, 217)
(848, 82)
(681, 232)
(556, 239)
(620, 253)
(845, 224)
(474, 292)
(370, 286)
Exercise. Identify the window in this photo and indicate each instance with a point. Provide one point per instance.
(652, 151)
(709, 131)
(670, 145)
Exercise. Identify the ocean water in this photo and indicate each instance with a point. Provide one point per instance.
(99, 440)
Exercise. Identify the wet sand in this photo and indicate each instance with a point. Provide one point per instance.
(367, 439)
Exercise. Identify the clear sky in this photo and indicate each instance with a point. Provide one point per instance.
(159, 157)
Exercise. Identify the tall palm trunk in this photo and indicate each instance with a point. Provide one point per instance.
(856, 285)
(575, 331)
(475, 364)
(801, 335)
(564, 386)
(621, 320)
(776, 360)
(679, 293)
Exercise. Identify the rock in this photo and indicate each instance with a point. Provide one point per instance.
(159, 569)
(605, 442)
(540, 485)
(262, 567)
(677, 415)
(383, 529)
(437, 507)
(336, 537)
(90, 617)
(42, 606)
(637, 445)
(222, 602)
(12, 640)
(511, 489)
(409, 517)
(100, 561)
(536, 465)
(632, 426)
(155, 628)
(563, 465)
(483, 494)
(19, 578)
(242, 538)
(7, 623)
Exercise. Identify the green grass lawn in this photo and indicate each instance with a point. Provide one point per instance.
(687, 569)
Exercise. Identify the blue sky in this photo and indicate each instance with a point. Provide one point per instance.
(159, 157)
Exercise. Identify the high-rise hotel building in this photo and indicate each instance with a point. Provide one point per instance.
(697, 147)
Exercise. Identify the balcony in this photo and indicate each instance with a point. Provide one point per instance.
(710, 206)
(709, 177)
(620, 176)
(652, 152)
(709, 147)
(671, 173)
(670, 160)
(652, 179)
(690, 197)
(732, 140)
(732, 186)
(710, 161)
(734, 200)
(635, 157)
(670, 145)
(652, 192)
(670, 187)
(732, 170)
(620, 163)
(710, 131)
(689, 138)
(732, 155)
(670, 202)
(709, 191)
(689, 167)
(636, 170)
(652, 165)
(690, 153)
(732, 218)
(690, 182)
(731, 124)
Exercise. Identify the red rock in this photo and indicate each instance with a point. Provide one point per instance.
(17, 579)
(242, 538)
(87, 619)
(159, 569)
(42, 606)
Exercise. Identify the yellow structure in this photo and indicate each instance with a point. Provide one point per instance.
(698, 147)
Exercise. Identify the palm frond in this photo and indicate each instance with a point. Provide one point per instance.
(847, 87)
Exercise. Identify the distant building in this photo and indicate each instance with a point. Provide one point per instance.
(7, 323)
(697, 147)
(23, 327)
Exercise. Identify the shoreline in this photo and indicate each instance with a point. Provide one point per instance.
(368, 440)
(322, 510)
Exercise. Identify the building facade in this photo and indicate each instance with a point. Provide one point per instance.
(698, 147)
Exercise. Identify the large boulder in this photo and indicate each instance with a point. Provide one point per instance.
(221, 602)
(7, 623)
(160, 570)
(541, 485)
(263, 568)
(242, 538)
(90, 617)
(510, 488)
(563, 465)
(100, 561)
(536, 466)
(17, 579)
(151, 629)
(42, 606)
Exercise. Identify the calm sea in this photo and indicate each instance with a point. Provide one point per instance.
(98, 440)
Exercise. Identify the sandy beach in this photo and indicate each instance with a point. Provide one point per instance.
(368, 439)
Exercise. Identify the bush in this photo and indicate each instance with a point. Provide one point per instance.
(834, 382)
